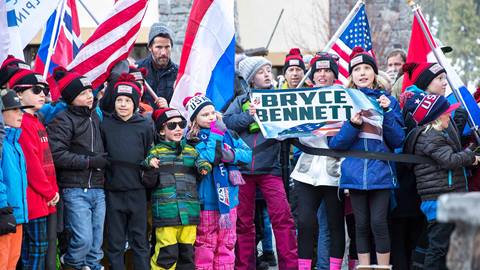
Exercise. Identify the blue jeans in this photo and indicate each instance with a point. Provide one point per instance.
(84, 218)
(267, 242)
(323, 244)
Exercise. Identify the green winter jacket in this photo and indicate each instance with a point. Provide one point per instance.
(175, 198)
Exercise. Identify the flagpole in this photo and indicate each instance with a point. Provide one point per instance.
(53, 44)
(416, 9)
(89, 13)
(334, 37)
(149, 89)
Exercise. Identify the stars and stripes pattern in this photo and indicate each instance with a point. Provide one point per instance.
(357, 33)
(111, 42)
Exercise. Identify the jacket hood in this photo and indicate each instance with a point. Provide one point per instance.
(12, 134)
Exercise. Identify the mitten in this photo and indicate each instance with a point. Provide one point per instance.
(224, 222)
(218, 127)
(236, 178)
(98, 161)
(228, 155)
(8, 223)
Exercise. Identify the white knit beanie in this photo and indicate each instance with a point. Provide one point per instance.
(248, 67)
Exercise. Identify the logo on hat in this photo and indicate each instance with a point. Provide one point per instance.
(357, 60)
(124, 89)
(196, 101)
(23, 66)
(294, 62)
(435, 68)
(424, 107)
(85, 82)
(323, 64)
(137, 75)
(39, 78)
(172, 113)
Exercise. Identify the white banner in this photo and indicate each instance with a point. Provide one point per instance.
(290, 113)
(4, 37)
(25, 18)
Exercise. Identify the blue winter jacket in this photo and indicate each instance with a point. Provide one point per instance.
(50, 110)
(13, 187)
(206, 189)
(367, 174)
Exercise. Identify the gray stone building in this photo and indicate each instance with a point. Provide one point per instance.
(390, 22)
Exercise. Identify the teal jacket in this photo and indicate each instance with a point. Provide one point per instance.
(206, 190)
(13, 186)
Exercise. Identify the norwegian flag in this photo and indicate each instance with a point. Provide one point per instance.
(111, 42)
(66, 42)
(356, 33)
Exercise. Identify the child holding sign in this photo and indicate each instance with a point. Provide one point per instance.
(369, 181)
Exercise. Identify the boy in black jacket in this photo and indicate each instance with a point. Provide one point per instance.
(79, 158)
(127, 137)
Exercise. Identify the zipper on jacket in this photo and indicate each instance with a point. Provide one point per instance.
(22, 168)
(365, 163)
(466, 179)
(449, 178)
(253, 156)
(91, 149)
(394, 178)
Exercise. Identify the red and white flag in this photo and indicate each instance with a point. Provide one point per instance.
(111, 42)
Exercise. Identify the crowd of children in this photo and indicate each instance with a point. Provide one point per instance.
(89, 174)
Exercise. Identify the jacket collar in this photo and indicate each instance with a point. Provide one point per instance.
(12, 134)
(372, 92)
(174, 145)
(83, 111)
(136, 117)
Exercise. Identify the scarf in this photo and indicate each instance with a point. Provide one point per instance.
(220, 177)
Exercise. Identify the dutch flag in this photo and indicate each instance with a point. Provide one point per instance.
(207, 64)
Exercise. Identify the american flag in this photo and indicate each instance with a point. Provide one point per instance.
(66, 42)
(357, 33)
(111, 42)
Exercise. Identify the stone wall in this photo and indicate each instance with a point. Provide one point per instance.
(174, 13)
(390, 23)
(463, 210)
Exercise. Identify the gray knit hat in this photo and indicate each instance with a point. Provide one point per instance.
(248, 67)
(158, 29)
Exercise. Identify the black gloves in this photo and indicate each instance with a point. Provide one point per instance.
(98, 161)
(7, 221)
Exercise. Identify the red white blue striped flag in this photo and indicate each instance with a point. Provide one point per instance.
(111, 42)
(66, 42)
(207, 64)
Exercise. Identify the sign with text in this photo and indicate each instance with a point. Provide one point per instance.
(287, 113)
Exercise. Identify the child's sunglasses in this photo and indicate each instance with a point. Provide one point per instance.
(173, 125)
(36, 88)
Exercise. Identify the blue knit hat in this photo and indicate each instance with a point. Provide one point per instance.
(427, 108)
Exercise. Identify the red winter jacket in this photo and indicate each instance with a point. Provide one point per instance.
(42, 182)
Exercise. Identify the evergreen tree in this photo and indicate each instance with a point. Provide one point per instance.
(456, 23)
